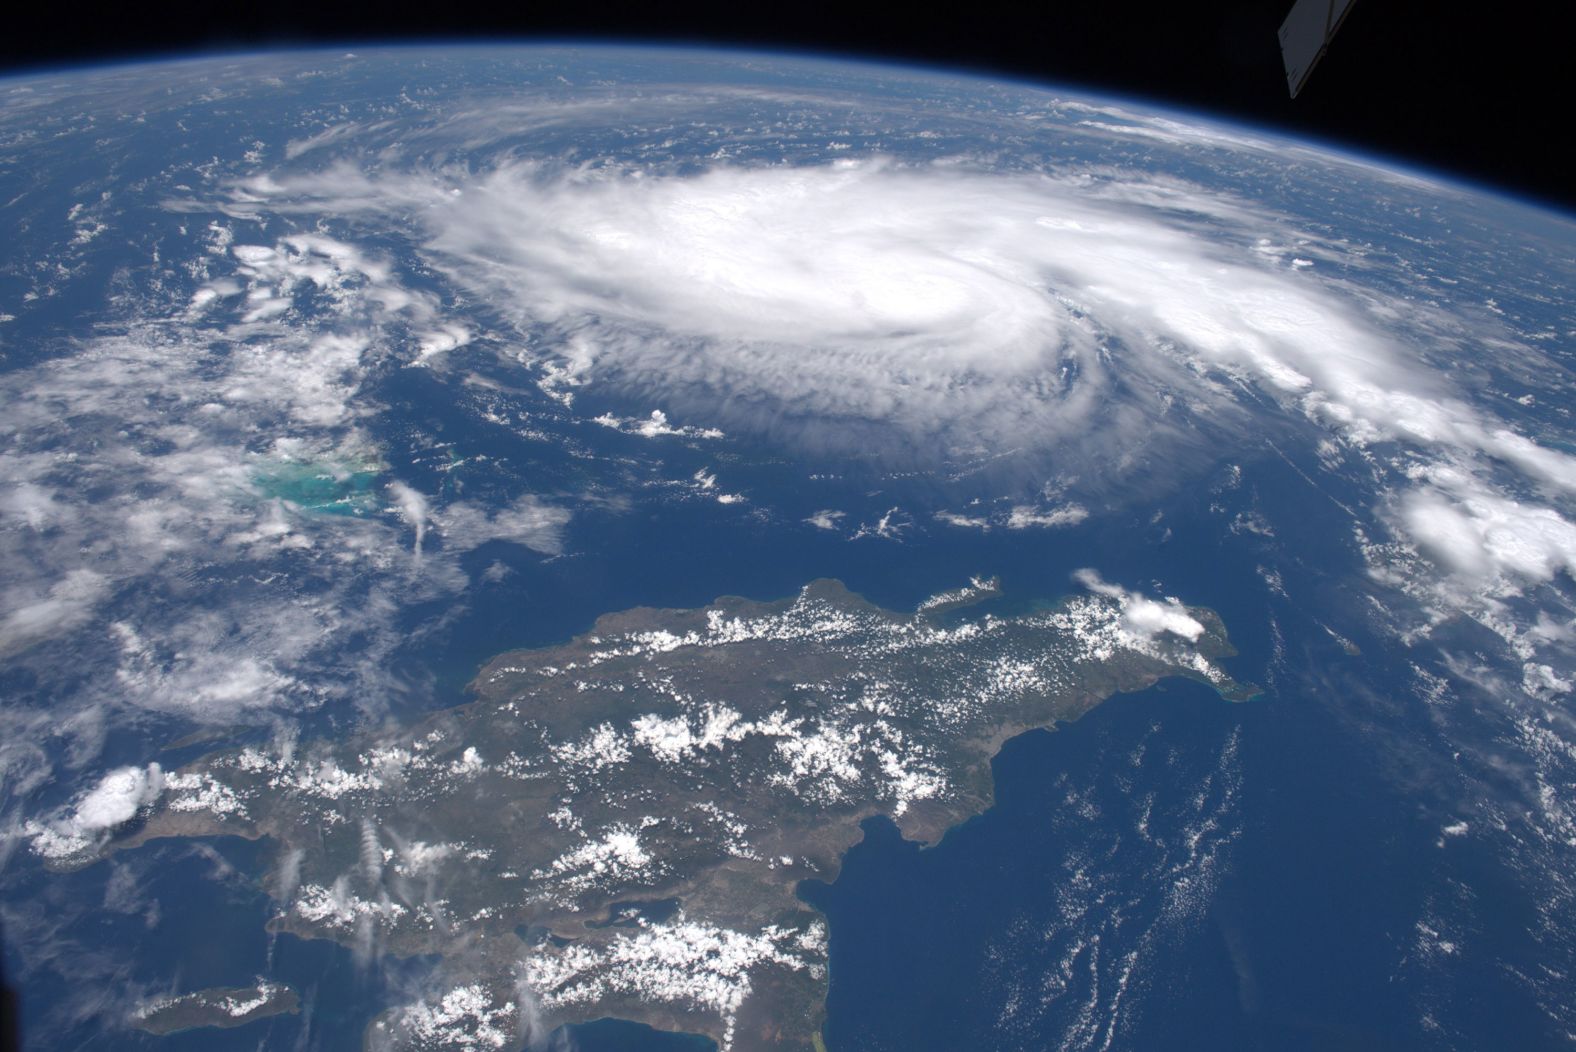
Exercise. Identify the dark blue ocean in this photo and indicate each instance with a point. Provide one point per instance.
(1251, 869)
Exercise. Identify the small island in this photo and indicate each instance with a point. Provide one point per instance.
(219, 1006)
(704, 760)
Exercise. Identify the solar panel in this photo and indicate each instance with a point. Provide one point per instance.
(1306, 35)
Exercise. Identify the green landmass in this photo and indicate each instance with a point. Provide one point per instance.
(219, 1006)
(712, 758)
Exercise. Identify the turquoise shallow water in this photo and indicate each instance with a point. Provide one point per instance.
(326, 489)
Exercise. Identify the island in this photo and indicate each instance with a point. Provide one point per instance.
(616, 826)
(219, 1006)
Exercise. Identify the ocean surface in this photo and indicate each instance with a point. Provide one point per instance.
(1249, 865)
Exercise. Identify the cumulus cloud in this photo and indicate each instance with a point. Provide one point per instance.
(973, 522)
(1017, 517)
(113, 802)
(825, 519)
(412, 507)
(1023, 517)
(1474, 531)
(529, 521)
(118, 797)
(1142, 617)
(656, 426)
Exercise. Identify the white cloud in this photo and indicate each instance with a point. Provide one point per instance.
(924, 299)
(1475, 532)
(891, 525)
(469, 1016)
(446, 337)
(69, 601)
(655, 426)
(114, 801)
(936, 302)
(693, 966)
(117, 797)
(1144, 618)
(1024, 517)
(412, 507)
(529, 521)
(1018, 517)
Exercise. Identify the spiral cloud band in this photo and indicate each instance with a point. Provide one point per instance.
(975, 306)
(943, 309)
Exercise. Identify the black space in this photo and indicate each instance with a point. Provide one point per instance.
(1479, 91)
